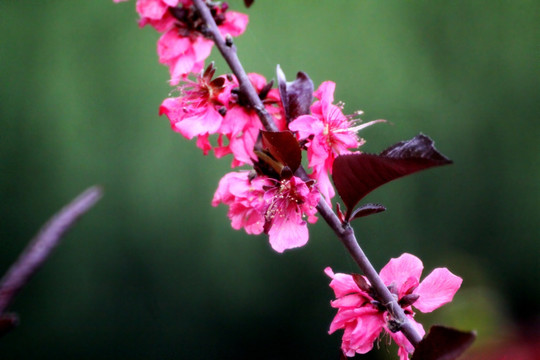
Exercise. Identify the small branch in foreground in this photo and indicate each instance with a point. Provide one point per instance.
(346, 235)
(41, 246)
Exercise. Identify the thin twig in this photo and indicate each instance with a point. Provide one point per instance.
(346, 235)
(41, 246)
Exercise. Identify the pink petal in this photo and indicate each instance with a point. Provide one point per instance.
(398, 270)
(405, 347)
(181, 67)
(342, 284)
(287, 233)
(235, 23)
(349, 301)
(342, 319)
(368, 328)
(248, 218)
(170, 46)
(325, 186)
(202, 48)
(325, 92)
(437, 289)
(257, 80)
(171, 3)
(204, 144)
(306, 125)
(151, 9)
(203, 123)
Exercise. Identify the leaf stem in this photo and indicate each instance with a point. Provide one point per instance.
(345, 234)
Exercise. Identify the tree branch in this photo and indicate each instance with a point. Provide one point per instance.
(346, 235)
(41, 246)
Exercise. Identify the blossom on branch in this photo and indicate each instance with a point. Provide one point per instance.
(290, 203)
(245, 198)
(363, 316)
(328, 133)
(184, 45)
(260, 203)
(241, 124)
(199, 109)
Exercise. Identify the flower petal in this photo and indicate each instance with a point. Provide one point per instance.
(369, 325)
(405, 347)
(437, 289)
(342, 284)
(288, 232)
(398, 270)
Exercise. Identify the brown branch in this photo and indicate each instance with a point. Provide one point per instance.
(41, 246)
(346, 235)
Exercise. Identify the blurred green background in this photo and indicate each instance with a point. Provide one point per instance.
(155, 272)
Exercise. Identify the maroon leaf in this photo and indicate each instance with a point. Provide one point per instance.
(443, 343)
(296, 96)
(367, 209)
(283, 147)
(356, 175)
(248, 3)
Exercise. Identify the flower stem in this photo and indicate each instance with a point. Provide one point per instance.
(345, 234)
(39, 248)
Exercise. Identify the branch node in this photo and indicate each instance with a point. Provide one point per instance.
(229, 40)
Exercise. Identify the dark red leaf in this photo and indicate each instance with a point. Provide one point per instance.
(296, 96)
(356, 175)
(443, 343)
(283, 147)
(248, 3)
(367, 209)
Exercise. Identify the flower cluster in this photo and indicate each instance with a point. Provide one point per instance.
(362, 315)
(183, 45)
(330, 133)
(275, 195)
(208, 106)
(262, 203)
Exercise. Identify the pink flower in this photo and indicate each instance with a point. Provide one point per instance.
(156, 13)
(289, 202)
(260, 204)
(241, 124)
(362, 315)
(183, 55)
(245, 199)
(183, 47)
(331, 132)
(198, 110)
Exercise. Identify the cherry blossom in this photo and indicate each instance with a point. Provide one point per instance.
(199, 109)
(329, 133)
(241, 124)
(245, 197)
(290, 201)
(362, 316)
(279, 208)
(156, 13)
(184, 48)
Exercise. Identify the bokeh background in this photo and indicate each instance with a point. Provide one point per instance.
(155, 272)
